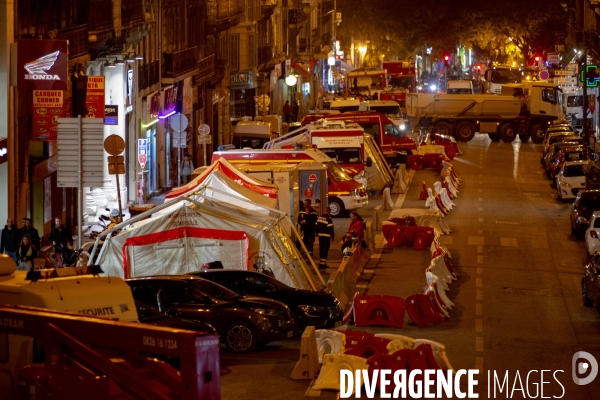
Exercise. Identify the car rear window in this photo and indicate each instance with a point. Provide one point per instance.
(573, 170)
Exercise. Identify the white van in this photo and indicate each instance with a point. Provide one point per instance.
(251, 134)
(459, 87)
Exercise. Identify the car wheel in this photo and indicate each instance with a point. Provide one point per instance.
(579, 235)
(495, 137)
(587, 302)
(538, 133)
(524, 137)
(464, 131)
(337, 207)
(508, 133)
(558, 194)
(240, 337)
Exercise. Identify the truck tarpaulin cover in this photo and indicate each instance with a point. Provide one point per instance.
(191, 236)
(230, 171)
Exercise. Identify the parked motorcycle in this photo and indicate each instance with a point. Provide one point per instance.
(107, 222)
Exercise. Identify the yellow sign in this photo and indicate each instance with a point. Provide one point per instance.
(48, 98)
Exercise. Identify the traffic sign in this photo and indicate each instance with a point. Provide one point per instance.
(204, 139)
(544, 75)
(179, 122)
(116, 165)
(203, 130)
(312, 178)
(142, 152)
(114, 145)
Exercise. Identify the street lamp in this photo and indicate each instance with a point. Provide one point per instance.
(291, 80)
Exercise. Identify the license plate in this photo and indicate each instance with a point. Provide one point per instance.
(338, 323)
(290, 334)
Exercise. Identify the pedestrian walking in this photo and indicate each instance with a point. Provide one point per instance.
(11, 237)
(61, 240)
(26, 253)
(187, 168)
(29, 230)
(307, 220)
(325, 233)
(356, 231)
(287, 112)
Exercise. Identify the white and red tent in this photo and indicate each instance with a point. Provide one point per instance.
(231, 172)
(198, 232)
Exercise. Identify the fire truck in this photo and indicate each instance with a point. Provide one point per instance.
(366, 84)
(387, 136)
(344, 193)
(402, 79)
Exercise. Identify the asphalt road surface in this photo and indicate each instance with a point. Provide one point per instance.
(518, 300)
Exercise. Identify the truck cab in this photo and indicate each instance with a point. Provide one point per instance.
(385, 133)
(344, 193)
(252, 134)
(389, 108)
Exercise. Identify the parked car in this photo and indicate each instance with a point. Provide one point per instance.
(151, 316)
(242, 322)
(570, 179)
(574, 153)
(559, 136)
(321, 310)
(559, 127)
(586, 202)
(589, 282)
(592, 234)
(555, 148)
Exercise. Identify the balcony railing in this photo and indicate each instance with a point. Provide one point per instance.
(206, 69)
(148, 75)
(296, 17)
(219, 11)
(179, 62)
(78, 40)
(100, 17)
(132, 12)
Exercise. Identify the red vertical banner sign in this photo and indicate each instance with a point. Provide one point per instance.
(48, 107)
(90, 97)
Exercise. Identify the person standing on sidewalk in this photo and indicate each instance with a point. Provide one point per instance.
(187, 168)
(325, 234)
(307, 219)
(11, 237)
(287, 112)
(356, 231)
(61, 238)
(29, 230)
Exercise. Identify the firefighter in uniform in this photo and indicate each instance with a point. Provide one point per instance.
(325, 233)
(307, 220)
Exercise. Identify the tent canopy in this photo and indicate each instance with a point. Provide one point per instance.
(231, 172)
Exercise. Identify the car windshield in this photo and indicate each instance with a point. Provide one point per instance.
(350, 155)
(266, 283)
(573, 170)
(370, 128)
(214, 290)
(391, 130)
(337, 172)
(506, 75)
(387, 110)
(590, 202)
(401, 82)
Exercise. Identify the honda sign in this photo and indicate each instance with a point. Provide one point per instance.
(42, 64)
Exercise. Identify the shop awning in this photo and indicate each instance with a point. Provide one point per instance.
(301, 70)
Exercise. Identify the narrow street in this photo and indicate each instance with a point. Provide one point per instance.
(518, 300)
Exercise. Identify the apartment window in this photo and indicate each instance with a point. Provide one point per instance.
(234, 51)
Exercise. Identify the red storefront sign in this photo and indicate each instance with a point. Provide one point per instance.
(48, 107)
(42, 64)
(90, 95)
(152, 107)
(3, 150)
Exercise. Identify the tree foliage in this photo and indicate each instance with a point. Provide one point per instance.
(506, 31)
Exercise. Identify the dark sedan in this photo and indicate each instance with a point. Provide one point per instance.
(586, 202)
(151, 316)
(321, 310)
(589, 282)
(242, 322)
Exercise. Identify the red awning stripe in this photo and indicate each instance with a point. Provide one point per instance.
(302, 71)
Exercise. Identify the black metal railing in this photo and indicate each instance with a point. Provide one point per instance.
(179, 62)
(220, 10)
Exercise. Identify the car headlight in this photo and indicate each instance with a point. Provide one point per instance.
(313, 311)
(264, 311)
(360, 175)
(354, 193)
(402, 127)
(565, 184)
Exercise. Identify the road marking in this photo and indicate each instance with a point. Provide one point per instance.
(477, 282)
(509, 242)
(479, 294)
(479, 325)
(479, 259)
(478, 309)
(477, 240)
(480, 249)
(479, 344)
(479, 363)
